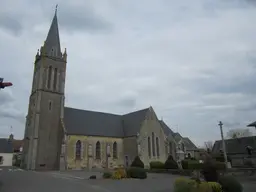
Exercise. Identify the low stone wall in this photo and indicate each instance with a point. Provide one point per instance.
(240, 161)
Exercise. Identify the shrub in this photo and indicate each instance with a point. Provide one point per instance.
(156, 165)
(107, 175)
(137, 162)
(191, 164)
(116, 176)
(210, 171)
(183, 185)
(220, 166)
(16, 161)
(189, 185)
(136, 172)
(216, 187)
(121, 172)
(170, 163)
(230, 184)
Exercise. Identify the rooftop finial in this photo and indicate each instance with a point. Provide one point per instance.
(56, 8)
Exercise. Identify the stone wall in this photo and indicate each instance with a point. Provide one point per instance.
(149, 126)
(88, 161)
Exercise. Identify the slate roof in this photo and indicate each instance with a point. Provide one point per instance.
(235, 146)
(166, 129)
(177, 137)
(252, 124)
(132, 122)
(92, 123)
(83, 122)
(53, 39)
(6, 146)
(189, 144)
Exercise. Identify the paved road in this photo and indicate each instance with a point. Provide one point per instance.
(29, 181)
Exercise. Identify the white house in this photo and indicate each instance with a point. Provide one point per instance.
(6, 153)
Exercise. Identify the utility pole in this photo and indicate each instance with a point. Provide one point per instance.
(223, 144)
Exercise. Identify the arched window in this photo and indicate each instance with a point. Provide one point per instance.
(49, 77)
(149, 147)
(182, 147)
(55, 79)
(157, 147)
(170, 148)
(98, 150)
(78, 150)
(115, 150)
(44, 77)
(153, 144)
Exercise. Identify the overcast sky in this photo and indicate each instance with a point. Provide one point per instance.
(194, 61)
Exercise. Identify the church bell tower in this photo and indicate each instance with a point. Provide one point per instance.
(43, 132)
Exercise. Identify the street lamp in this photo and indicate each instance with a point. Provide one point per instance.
(223, 144)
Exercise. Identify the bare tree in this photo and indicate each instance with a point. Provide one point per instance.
(237, 133)
(208, 145)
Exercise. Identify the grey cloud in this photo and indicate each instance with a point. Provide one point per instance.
(10, 23)
(12, 113)
(192, 61)
(81, 18)
(5, 97)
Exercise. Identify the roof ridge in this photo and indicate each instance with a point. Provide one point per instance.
(136, 111)
(107, 113)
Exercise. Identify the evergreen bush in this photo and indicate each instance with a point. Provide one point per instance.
(137, 162)
(156, 165)
(209, 170)
(170, 163)
(136, 172)
(230, 184)
(107, 175)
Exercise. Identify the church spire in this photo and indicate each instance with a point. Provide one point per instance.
(52, 42)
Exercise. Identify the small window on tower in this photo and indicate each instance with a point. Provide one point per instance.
(50, 105)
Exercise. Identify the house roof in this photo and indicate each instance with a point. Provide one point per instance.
(253, 124)
(237, 145)
(166, 129)
(132, 122)
(5, 146)
(92, 123)
(177, 137)
(189, 144)
(83, 122)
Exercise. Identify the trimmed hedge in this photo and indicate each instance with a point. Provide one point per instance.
(107, 175)
(195, 165)
(156, 165)
(136, 172)
(189, 185)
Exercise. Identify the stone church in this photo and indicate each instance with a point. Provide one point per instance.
(59, 137)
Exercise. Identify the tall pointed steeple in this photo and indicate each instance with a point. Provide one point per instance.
(52, 42)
